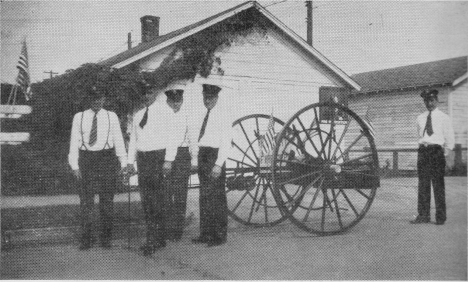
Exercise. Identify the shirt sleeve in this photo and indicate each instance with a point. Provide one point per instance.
(75, 142)
(226, 142)
(132, 148)
(449, 134)
(118, 140)
(192, 137)
(177, 127)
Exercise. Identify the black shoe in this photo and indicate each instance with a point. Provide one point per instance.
(147, 249)
(84, 246)
(200, 240)
(159, 245)
(216, 242)
(439, 222)
(420, 219)
(175, 239)
(106, 244)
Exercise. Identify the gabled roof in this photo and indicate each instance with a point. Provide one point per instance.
(144, 49)
(447, 72)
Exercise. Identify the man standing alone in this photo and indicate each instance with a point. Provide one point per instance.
(96, 139)
(436, 141)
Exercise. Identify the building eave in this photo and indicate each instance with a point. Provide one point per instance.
(182, 36)
(460, 79)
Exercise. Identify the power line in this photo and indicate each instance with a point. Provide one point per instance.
(275, 3)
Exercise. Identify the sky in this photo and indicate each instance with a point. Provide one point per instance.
(357, 36)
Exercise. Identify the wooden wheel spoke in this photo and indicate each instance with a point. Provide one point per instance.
(248, 140)
(245, 153)
(341, 140)
(352, 144)
(306, 189)
(253, 202)
(318, 126)
(240, 201)
(308, 136)
(314, 198)
(331, 135)
(338, 214)
(349, 203)
(363, 194)
(261, 195)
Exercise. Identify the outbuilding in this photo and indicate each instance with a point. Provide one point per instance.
(391, 99)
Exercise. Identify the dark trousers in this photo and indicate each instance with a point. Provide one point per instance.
(151, 184)
(431, 169)
(213, 202)
(176, 194)
(99, 171)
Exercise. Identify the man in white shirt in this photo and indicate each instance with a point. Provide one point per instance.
(155, 135)
(96, 139)
(214, 144)
(436, 140)
(185, 162)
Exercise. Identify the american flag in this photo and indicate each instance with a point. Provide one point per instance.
(269, 138)
(23, 78)
(367, 120)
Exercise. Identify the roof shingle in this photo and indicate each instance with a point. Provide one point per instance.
(424, 74)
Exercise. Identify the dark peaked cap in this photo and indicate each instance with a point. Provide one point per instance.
(432, 93)
(175, 95)
(211, 90)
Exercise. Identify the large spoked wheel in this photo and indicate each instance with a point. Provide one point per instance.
(325, 168)
(248, 171)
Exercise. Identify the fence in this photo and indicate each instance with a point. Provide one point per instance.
(456, 163)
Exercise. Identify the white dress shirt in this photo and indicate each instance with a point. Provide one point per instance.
(163, 130)
(108, 131)
(190, 131)
(218, 131)
(442, 126)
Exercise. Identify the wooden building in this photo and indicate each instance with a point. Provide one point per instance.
(392, 99)
(276, 71)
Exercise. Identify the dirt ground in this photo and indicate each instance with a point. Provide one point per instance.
(383, 246)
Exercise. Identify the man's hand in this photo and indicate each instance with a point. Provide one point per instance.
(447, 152)
(193, 169)
(167, 167)
(77, 174)
(130, 169)
(216, 172)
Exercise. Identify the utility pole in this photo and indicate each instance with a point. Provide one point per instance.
(309, 21)
(51, 73)
(129, 40)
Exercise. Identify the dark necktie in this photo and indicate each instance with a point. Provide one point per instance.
(144, 120)
(428, 127)
(205, 121)
(93, 134)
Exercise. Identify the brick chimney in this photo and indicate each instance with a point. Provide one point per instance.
(149, 28)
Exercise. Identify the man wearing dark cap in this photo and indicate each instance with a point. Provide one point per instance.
(185, 162)
(214, 142)
(154, 137)
(436, 139)
(96, 142)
